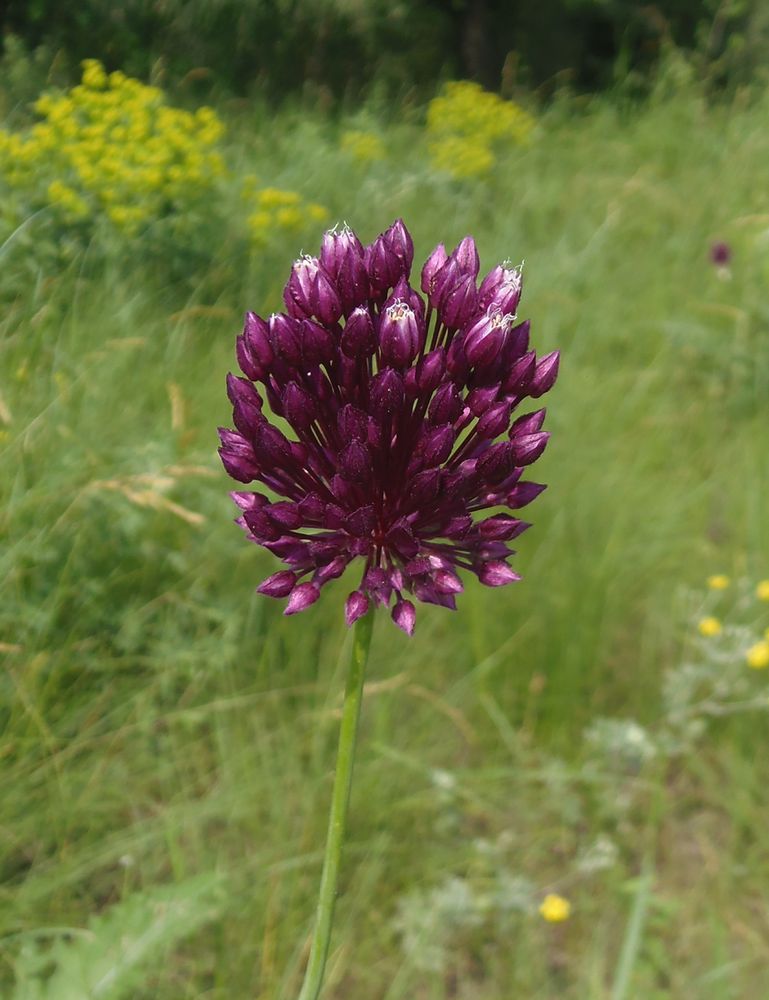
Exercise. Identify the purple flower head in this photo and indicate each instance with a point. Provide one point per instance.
(720, 253)
(403, 450)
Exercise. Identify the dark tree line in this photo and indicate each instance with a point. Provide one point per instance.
(346, 47)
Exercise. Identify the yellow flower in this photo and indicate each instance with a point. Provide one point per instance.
(758, 655)
(718, 582)
(762, 590)
(93, 74)
(317, 212)
(555, 908)
(289, 218)
(710, 627)
(363, 146)
(275, 198)
(466, 125)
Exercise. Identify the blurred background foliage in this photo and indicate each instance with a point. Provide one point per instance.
(343, 49)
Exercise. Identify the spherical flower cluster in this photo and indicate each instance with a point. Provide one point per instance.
(111, 147)
(402, 417)
(274, 209)
(467, 125)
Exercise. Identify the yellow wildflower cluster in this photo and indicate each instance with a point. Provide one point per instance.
(758, 655)
(112, 147)
(710, 627)
(554, 908)
(365, 147)
(274, 210)
(467, 126)
(718, 581)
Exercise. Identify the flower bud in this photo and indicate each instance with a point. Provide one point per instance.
(246, 404)
(494, 421)
(528, 447)
(355, 607)
(519, 376)
(486, 337)
(302, 596)
(431, 268)
(299, 407)
(522, 494)
(383, 265)
(430, 369)
(529, 423)
(466, 255)
(284, 334)
(386, 393)
(399, 240)
(496, 574)
(238, 457)
(399, 334)
(545, 374)
(404, 615)
(278, 585)
(459, 304)
(445, 406)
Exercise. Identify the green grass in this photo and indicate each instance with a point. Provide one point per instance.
(161, 723)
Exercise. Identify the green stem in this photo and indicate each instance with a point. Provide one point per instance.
(353, 695)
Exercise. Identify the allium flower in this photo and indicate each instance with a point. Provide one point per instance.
(720, 253)
(402, 427)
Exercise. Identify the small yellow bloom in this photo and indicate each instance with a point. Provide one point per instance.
(555, 908)
(762, 590)
(710, 627)
(758, 655)
(718, 582)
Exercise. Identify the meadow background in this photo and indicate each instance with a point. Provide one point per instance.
(167, 738)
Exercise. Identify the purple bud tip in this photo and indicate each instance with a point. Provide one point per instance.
(302, 596)
(355, 607)
(545, 374)
(404, 615)
(720, 253)
(497, 574)
(278, 585)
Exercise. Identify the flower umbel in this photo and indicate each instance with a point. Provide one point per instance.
(402, 417)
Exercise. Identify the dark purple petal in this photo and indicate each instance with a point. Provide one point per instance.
(355, 607)
(528, 447)
(400, 335)
(386, 393)
(399, 240)
(529, 423)
(278, 585)
(496, 574)
(359, 336)
(466, 255)
(404, 615)
(523, 493)
(460, 303)
(545, 374)
(432, 266)
(486, 337)
(302, 596)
